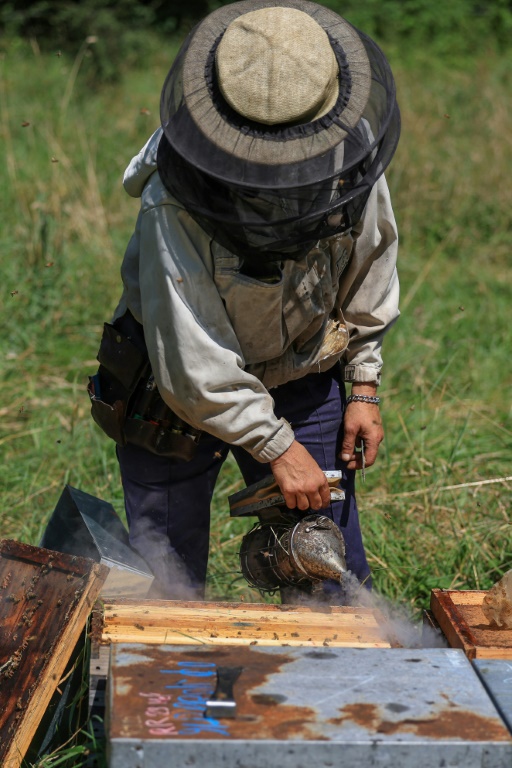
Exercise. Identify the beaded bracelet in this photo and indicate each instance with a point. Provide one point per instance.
(363, 399)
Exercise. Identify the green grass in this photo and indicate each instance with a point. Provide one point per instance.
(446, 391)
(447, 378)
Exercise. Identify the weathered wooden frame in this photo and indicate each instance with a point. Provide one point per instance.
(45, 599)
(459, 614)
(189, 623)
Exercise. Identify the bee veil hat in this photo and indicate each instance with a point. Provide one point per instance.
(278, 118)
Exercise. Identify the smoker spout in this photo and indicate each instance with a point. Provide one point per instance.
(317, 548)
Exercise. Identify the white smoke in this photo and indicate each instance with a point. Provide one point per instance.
(395, 620)
(172, 579)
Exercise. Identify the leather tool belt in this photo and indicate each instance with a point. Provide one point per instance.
(125, 401)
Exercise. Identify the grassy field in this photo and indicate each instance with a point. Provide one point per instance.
(447, 383)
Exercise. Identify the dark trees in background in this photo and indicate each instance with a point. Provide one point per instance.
(115, 28)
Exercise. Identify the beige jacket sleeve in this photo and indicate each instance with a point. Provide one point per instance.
(369, 289)
(194, 353)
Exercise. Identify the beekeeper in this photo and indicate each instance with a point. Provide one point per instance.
(260, 279)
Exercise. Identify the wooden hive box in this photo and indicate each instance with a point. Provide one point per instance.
(192, 623)
(45, 600)
(459, 614)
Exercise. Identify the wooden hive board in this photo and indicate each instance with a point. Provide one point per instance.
(190, 623)
(45, 599)
(464, 624)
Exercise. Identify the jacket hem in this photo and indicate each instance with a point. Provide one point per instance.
(362, 374)
(277, 445)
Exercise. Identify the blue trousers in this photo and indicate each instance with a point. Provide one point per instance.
(168, 502)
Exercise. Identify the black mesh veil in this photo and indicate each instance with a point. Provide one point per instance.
(264, 192)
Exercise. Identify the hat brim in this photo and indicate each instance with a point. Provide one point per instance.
(218, 131)
(268, 149)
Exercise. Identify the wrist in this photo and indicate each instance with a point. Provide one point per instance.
(364, 388)
(369, 399)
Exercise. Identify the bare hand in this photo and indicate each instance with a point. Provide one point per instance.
(302, 482)
(362, 423)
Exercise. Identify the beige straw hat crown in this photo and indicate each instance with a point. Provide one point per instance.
(276, 66)
(278, 117)
(294, 46)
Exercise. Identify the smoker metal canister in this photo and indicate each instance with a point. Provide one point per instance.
(313, 549)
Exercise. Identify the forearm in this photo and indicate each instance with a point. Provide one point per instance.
(365, 388)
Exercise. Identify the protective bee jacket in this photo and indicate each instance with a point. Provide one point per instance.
(220, 337)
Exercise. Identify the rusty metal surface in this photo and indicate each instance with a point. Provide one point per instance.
(298, 707)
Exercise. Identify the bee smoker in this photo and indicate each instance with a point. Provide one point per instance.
(285, 548)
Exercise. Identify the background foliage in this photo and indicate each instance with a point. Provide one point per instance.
(119, 26)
